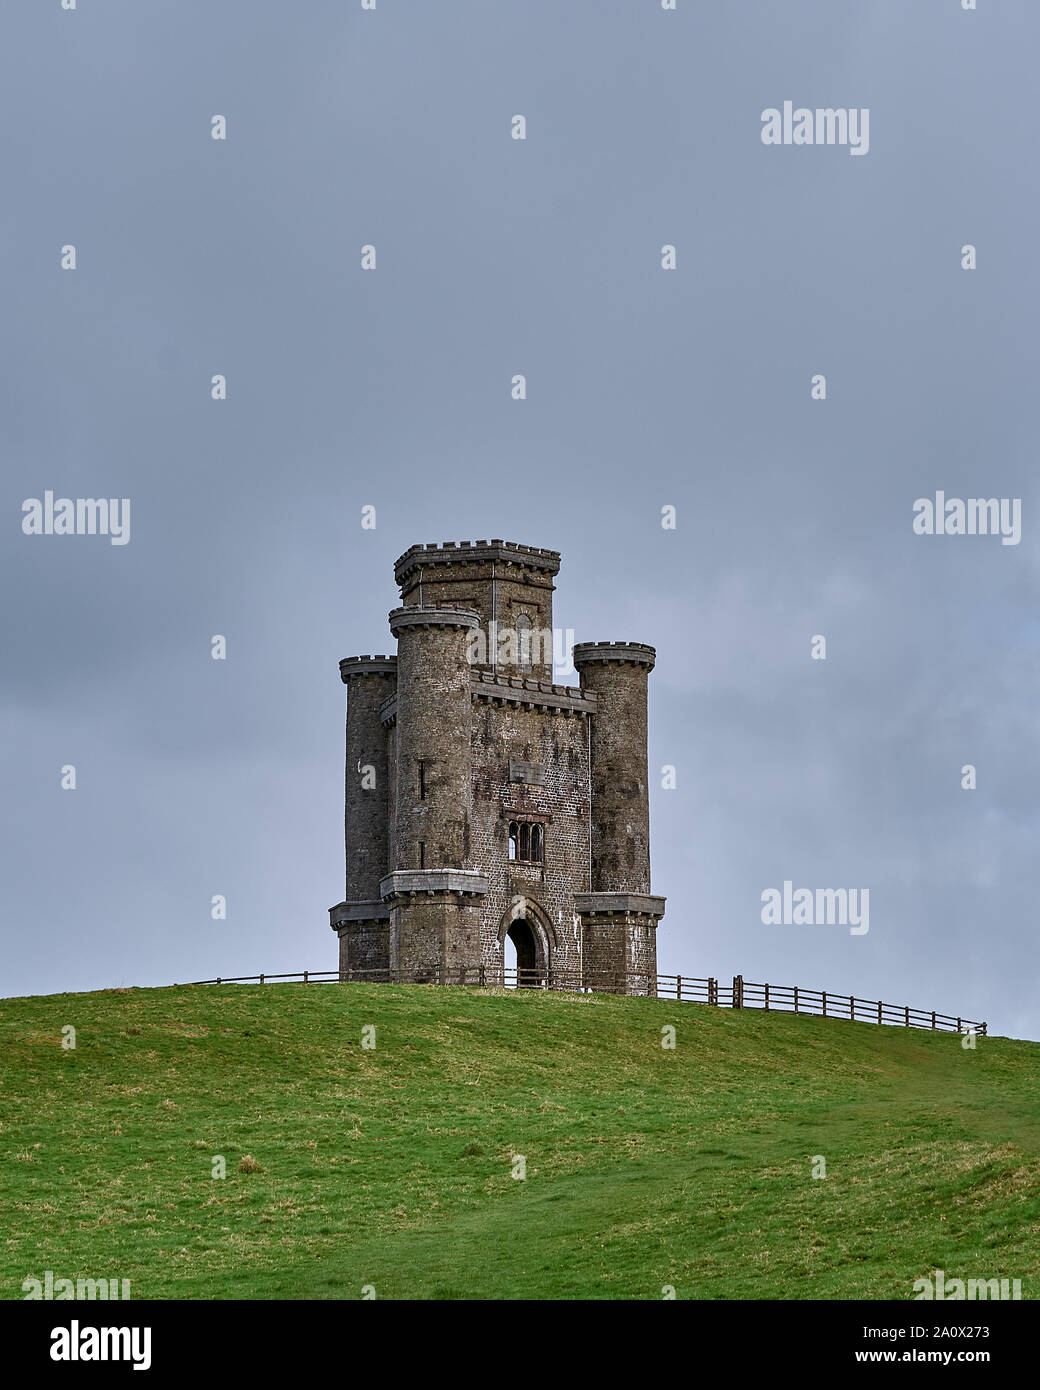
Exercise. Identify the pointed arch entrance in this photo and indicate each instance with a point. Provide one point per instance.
(529, 930)
(525, 946)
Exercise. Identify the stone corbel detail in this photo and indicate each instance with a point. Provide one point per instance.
(403, 883)
(353, 914)
(600, 904)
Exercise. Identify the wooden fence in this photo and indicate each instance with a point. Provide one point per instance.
(687, 989)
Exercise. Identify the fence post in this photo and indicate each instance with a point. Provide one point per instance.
(261, 977)
(219, 981)
(852, 1007)
(678, 988)
(305, 976)
(767, 998)
(933, 1020)
(879, 1011)
(796, 998)
(738, 992)
(906, 1012)
(958, 1025)
(825, 1003)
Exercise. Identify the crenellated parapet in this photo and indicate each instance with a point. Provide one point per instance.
(508, 553)
(352, 666)
(518, 690)
(429, 616)
(634, 653)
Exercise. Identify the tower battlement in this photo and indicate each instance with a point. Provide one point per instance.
(637, 652)
(432, 615)
(366, 666)
(474, 553)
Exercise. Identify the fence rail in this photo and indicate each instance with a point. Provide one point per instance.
(687, 989)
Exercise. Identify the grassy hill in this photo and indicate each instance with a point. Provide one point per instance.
(392, 1167)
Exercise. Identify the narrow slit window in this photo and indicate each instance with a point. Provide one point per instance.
(513, 845)
(523, 643)
(422, 780)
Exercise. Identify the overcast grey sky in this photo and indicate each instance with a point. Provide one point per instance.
(646, 388)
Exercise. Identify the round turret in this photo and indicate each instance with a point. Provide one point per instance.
(617, 672)
(434, 780)
(369, 680)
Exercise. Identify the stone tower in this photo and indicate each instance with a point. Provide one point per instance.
(485, 801)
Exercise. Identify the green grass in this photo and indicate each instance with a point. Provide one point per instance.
(393, 1167)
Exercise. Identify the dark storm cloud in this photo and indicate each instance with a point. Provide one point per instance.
(645, 388)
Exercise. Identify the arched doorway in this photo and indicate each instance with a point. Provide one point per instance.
(523, 956)
(526, 942)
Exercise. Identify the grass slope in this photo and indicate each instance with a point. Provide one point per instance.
(392, 1167)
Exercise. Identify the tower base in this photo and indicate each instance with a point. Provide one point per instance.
(619, 936)
(435, 917)
(364, 940)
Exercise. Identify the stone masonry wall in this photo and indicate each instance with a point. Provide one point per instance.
(558, 743)
(621, 953)
(365, 946)
(365, 808)
(432, 762)
(432, 933)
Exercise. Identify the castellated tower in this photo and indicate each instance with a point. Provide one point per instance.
(483, 801)
(619, 915)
